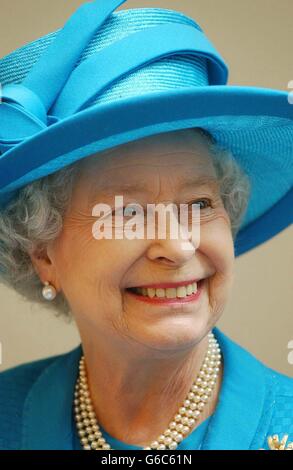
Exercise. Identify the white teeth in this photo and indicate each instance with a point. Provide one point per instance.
(189, 289)
(181, 291)
(151, 292)
(170, 292)
(160, 292)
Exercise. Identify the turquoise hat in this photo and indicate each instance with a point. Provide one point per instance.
(107, 78)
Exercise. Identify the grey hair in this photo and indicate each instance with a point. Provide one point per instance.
(35, 217)
(233, 182)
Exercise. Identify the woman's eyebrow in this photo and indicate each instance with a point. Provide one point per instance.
(198, 180)
(134, 187)
(131, 187)
(142, 187)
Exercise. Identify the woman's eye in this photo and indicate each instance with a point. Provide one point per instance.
(127, 211)
(203, 203)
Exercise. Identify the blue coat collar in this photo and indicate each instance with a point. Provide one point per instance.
(239, 421)
(47, 413)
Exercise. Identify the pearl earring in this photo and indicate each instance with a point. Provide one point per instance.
(49, 291)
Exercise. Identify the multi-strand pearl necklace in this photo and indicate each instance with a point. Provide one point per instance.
(87, 425)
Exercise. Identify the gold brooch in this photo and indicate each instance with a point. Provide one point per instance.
(275, 444)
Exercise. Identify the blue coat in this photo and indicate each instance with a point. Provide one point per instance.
(254, 402)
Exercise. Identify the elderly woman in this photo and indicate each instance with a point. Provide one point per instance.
(152, 371)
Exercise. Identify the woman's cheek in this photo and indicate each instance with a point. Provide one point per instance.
(216, 243)
(218, 249)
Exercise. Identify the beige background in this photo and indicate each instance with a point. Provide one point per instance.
(255, 39)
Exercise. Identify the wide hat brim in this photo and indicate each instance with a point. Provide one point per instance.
(256, 124)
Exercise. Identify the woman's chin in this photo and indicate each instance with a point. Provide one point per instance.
(176, 336)
(179, 328)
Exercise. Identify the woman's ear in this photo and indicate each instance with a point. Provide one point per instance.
(43, 262)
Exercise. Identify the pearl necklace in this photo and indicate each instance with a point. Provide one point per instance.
(201, 390)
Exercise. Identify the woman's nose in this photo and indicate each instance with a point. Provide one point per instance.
(174, 247)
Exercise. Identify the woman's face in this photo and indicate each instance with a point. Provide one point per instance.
(94, 274)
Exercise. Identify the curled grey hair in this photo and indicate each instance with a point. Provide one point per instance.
(35, 217)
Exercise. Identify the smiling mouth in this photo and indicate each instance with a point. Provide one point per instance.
(186, 292)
